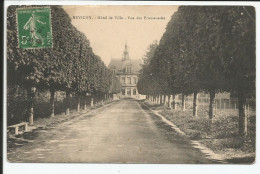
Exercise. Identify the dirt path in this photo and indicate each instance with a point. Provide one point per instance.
(120, 133)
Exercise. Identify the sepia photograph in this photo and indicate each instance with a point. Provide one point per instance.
(131, 84)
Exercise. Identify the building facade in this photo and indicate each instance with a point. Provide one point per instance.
(127, 70)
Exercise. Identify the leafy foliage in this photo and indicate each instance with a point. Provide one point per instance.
(70, 65)
(205, 48)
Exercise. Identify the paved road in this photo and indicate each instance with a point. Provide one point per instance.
(120, 133)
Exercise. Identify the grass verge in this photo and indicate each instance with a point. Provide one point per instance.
(220, 135)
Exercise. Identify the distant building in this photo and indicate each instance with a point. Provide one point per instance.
(127, 70)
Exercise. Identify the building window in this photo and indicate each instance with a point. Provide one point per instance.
(128, 80)
(123, 80)
(129, 91)
(128, 69)
(134, 91)
(123, 91)
(113, 71)
(135, 80)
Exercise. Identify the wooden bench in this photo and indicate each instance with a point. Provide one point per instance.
(14, 129)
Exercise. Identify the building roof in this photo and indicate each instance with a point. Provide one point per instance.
(117, 64)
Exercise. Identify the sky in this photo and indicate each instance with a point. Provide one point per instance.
(108, 35)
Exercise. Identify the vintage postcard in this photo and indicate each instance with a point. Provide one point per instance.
(131, 84)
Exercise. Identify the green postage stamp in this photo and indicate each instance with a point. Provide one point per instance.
(34, 27)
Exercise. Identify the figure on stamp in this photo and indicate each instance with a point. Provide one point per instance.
(31, 25)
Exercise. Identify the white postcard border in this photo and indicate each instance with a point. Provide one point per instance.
(47, 168)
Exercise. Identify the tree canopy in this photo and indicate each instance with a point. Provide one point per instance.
(204, 48)
(70, 65)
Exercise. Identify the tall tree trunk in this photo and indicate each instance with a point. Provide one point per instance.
(241, 120)
(92, 101)
(161, 99)
(78, 103)
(195, 108)
(31, 113)
(182, 99)
(169, 101)
(67, 103)
(183, 102)
(30, 96)
(246, 118)
(85, 103)
(211, 101)
(102, 99)
(175, 102)
(162, 102)
(52, 103)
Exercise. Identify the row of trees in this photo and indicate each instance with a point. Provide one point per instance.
(69, 66)
(210, 49)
